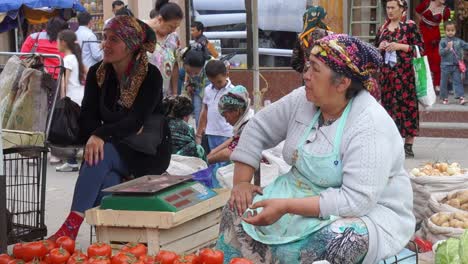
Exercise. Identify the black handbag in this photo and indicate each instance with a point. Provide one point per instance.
(64, 129)
(149, 139)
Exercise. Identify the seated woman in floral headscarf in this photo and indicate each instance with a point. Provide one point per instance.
(347, 197)
(121, 94)
(235, 108)
(314, 28)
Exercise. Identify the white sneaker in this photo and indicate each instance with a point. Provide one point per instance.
(67, 167)
(53, 160)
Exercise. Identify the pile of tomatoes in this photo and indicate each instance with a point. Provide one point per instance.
(63, 252)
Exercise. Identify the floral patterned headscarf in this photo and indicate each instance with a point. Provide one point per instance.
(349, 56)
(139, 38)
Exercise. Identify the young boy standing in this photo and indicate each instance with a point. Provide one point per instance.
(211, 122)
(451, 53)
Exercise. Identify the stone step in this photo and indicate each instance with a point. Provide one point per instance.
(443, 129)
(444, 113)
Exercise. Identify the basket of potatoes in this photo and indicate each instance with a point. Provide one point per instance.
(455, 201)
(435, 177)
(444, 225)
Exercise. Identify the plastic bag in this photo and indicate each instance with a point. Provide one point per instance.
(183, 165)
(64, 128)
(423, 80)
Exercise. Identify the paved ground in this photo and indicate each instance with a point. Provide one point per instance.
(60, 185)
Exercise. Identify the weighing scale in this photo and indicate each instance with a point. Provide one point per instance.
(168, 193)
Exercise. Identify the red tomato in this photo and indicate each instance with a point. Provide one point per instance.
(188, 259)
(99, 260)
(240, 261)
(49, 244)
(5, 258)
(33, 250)
(59, 256)
(16, 261)
(18, 250)
(147, 259)
(36, 261)
(211, 256)
(47, 258)
(123, 258)
(99, 249)
(165, 257)
(78, 258)
(136, 249)
(66, 243)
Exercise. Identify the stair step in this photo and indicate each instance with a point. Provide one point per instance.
(443, 129)
(444, 113)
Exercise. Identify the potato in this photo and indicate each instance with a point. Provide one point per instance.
(464, 207)
(440, 219)
(455, 202)
(460, 216)
(456, 223)
(443, 167)
(446, 224)
(463, 198)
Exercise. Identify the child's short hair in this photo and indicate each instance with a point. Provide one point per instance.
(450, 23)
(178, 106)
(214, 68)
(195, 56)
(198, 25)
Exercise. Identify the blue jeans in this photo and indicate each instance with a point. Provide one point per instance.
(447, 72)
(181, 81)
(197, 102)
(92, 179)
(214, 141)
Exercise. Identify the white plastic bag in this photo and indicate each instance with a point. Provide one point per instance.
(268, 173)
(183, 165)
(423, 80)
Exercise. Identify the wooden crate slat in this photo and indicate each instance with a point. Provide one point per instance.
(189, 243)
(200, 223)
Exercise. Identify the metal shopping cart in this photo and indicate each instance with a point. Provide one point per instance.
(23, 178)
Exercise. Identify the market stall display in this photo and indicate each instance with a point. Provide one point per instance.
(63, 251)
(184, 215)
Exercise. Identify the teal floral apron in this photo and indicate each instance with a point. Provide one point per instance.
(309, 175)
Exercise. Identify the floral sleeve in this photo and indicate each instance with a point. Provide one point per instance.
(414, 38)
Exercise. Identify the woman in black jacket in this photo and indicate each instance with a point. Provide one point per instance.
(123, 97)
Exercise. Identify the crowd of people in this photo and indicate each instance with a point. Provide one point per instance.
(346, 134)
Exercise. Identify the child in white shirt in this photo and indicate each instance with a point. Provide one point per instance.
(72, 82)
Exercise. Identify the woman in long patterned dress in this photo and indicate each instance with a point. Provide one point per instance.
(397, 40)
(165, 54)
(432, 13)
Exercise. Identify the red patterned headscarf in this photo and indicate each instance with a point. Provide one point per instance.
(140, 39)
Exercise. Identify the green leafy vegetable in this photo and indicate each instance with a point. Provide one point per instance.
(463, 250)
(447, 252)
